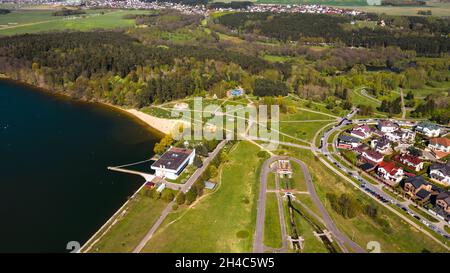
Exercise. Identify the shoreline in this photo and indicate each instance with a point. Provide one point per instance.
(158, 126)
(155, 125)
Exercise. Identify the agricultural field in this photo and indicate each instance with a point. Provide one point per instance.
(33, 21)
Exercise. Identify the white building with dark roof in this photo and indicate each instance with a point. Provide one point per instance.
(387, 126)
(172, 163)
(429, 129)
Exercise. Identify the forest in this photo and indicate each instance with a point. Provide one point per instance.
(175, 55)
(424, 36)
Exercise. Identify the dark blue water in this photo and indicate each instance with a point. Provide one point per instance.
(54, 185)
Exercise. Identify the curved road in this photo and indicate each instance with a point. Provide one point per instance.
(258, 246)
(367, 185)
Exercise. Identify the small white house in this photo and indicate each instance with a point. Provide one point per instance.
(387, 126)
(429, 129)
(440, 172)
(172, 163)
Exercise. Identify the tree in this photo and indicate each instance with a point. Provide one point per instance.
(191, 195)
(201, 149)
(167, 196)
(162, 146)
(198, 161)
(181, 198)
(414, 151)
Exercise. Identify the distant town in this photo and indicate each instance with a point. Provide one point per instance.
(189, 9)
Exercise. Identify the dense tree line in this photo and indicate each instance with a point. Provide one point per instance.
(432, 40)
(4, 11)
(117, 68)
(266, 87)
(68, 12)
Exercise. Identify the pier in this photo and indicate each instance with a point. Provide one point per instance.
(148, 177)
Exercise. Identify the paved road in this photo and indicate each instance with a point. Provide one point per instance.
(186, 186)
(341, 239)
(403, 104)
(369, 189)
(258, 245)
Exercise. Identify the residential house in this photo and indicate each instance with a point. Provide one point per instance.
(361, 131)
(411, 161)
(440, 147)
(361, 148)
(348, 142)
(172, 163)
(372, 157)
(390, 173)
(401, 135)
(381, 145)
(387, 126)
(418, 189)
(429, 129)
(441, 173)
(443, 201)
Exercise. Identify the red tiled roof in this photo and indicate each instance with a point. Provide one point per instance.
(410, 158)
(441, 141)
(389, 167)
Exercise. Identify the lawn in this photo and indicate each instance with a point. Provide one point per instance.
(401, 237)
(297, 181)
(223, 221)
(42, 21)
(304, 131)
(125, 235)
(271, 181)
(302, 115)
(272, 227)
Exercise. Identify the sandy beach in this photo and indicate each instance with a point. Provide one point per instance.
(165, 126)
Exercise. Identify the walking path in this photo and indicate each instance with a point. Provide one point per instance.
(403, 104)
(258, 245)
(184, 189)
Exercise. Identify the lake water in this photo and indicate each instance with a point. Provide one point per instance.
(54, 185)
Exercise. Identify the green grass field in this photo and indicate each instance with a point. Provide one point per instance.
(271, 181)
(223, 221)
(124, 236)
(33, 21)
(272, 232)
(297, 181)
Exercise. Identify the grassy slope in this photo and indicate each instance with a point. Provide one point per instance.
(124, 236)
(213, 223)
